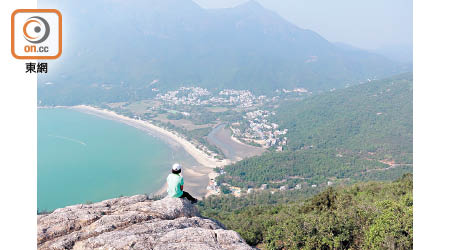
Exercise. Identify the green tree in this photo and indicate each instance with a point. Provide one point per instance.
(392, 229)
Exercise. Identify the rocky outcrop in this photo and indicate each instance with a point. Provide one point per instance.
(133, 223)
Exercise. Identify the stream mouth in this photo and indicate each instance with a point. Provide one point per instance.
(220, 136)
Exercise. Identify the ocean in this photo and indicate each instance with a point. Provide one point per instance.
(83, 158)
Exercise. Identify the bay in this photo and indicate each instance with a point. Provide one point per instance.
(83, 158)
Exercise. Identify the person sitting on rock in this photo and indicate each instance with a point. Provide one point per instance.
(175, 184)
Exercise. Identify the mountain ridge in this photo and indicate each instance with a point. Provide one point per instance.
(114, 57)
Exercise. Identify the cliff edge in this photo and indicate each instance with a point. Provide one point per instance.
(133, 223)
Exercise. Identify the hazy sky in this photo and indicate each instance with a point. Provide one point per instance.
(367, 24)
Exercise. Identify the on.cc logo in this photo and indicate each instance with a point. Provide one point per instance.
(36, 29)
(36, 34)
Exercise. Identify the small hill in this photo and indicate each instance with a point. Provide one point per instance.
(364, 132)
(370, 215)
(374, 118)
(133, 223)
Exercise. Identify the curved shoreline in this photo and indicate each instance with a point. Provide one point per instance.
(197, 176)
(201, 157)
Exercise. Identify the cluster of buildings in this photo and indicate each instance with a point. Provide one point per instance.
(200, 96)
(256, 128)
(261, 131)
(236, 191)
(213, 188)
(240, 98)
(185, 96)
(295, 90)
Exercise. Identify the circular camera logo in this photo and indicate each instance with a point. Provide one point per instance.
(36, 29)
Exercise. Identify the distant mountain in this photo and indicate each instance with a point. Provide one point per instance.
(346, 47)
(399, 53)
(120, 50)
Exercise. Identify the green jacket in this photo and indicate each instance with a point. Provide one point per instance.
(174, 183)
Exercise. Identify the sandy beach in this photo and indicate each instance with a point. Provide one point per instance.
(196, 177)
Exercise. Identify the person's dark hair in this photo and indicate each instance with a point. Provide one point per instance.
(176, 172)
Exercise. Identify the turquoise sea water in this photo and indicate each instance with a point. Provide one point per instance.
(84, 158)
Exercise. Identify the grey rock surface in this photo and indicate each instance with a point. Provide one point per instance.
(133, 223)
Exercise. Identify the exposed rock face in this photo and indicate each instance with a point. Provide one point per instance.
(133, 223)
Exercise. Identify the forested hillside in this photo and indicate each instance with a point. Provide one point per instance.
(373, 118)
(362, 132)
(372, 215)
